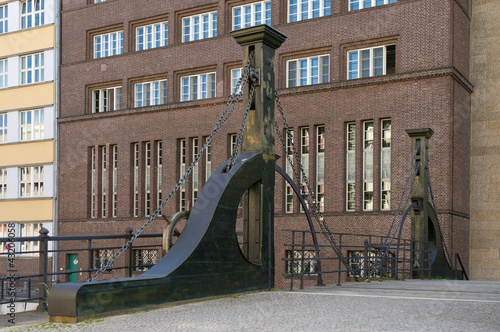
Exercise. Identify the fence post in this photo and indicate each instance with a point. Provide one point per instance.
(128, 253)
(42, 268)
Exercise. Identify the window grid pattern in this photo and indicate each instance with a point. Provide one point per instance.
(29, 229)
(182, 170)
(368, 166)
(4, 73)
(143, 258)
(385, 167)
(151, 93)
(3, 127)
(4, 19)
(32, 13)
(232, 138)
(308, 71)
(152, 36)
(108, 44)
(199, 27)
(101, 257)
(159, 175)
(107, 99)
(320, 167)
(136, 179)
(195, 183)
(3, 183)
(289, 170)
(305, 263)
(93, 185)
(304, 160)
(198, 87)
(147, 179)
(114, 183)
(32, 125)
(351, 167)
(208, 160)
(31, 181)
(252, 14)
(104, 160)
(362, 4)
(235, 77)
(32, 68)
(368, 62)
(299, 10)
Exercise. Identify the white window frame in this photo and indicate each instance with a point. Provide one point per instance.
(33, 68)
(93, 185)
(3, 182)
(151, 36)
(235, 77)
(289, 170)
(182, 171)
(385, 165)
(351, 166)
(195, 87)
(363, 4)
(355, 62)
(299, 10)
(147, 179)
(104, 160)
(4, 19)
(4, 72)
(108, 44)
(249, 15)
(367, 168)
(150, 93)
(307, 265)
(31, 125)
(31, 178)
(195, 183)
(320, 167)
(304, 160)
(99, 1)
(159, 175)
(100, 99)
(32, 13)
(232, 143)
(3, 127)
(208, 160)
(304, 66)
(114, 151)
(136, 179)
(201, 26)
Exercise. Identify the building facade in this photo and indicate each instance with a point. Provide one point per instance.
(352, 77)
(28, 131)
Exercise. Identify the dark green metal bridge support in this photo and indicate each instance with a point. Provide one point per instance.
(206, 260)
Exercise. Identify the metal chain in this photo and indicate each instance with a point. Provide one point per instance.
(230, 106)
(313, 204)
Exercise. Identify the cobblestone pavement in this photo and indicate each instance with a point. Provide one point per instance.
(412, 305)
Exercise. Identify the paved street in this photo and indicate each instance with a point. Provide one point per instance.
(412, 305)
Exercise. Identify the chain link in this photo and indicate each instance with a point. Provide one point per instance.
(230, 106)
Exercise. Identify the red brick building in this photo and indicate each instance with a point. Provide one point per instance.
(144, 82)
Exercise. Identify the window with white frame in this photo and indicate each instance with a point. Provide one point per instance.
(299, 10)
(32, 68)
(4, 73)
(151, 36)
(359, 263)
(307, 71)
(362, 4)
(351, 167)
(147, 179)
(235, 77)
(108, 44)
(32, 125)
(304, 160)
(107, 99)
(3, 127)
(31, 181)
(252, 14)
(301, 261)
(4, 19)
(200, 86)
(32, 13)
(368, 166)
(320, 167)
(136, 179)
(232, 141)
(3, 182)
(150, 93)
(101, 257)
(4, 232)
(182, 170)
(28, 230)
(159, 175)
(200, 26)
(93, 185)
(208, 160)
(144, 259)
(195, 170)
(289, 170)
(104, 160)
(114, 151)
(98, 1)
(373, 61)
(385, 167)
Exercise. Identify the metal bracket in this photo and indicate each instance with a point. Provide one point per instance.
(255, 76)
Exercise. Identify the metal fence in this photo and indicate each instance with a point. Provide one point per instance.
(24, 287)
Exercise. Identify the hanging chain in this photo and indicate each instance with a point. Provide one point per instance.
(230, 106)
(312, 203)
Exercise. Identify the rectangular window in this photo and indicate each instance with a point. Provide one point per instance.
(304, 160)
(147, 179)
(235, 77)
(32, 125)
(289, 170)
(150, 93)
(198, 87)
(101, 257)
(385, 167)
(114, 150)
(4, 19)
(232, 140)
(299, 10)
(108, 44)
(320, 167)
(351, 167)
(195, 170)
(28, 230)
(298, 264)
(107, 99)
(199, 27)
(359, 264)
(136, 179)
(159, 175)
(307, 71)
(252, 14)
(3, 127)
(151, 36)
(144, 259)
(208, 160)
(32, 13)
(182, 170)
(104, 159)
(93, 185)
(368, 166)
(32, 68)
(3, 183)
(31, 181)
(4, 73)
(98, 1)
(374, 61)
(362, 4)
